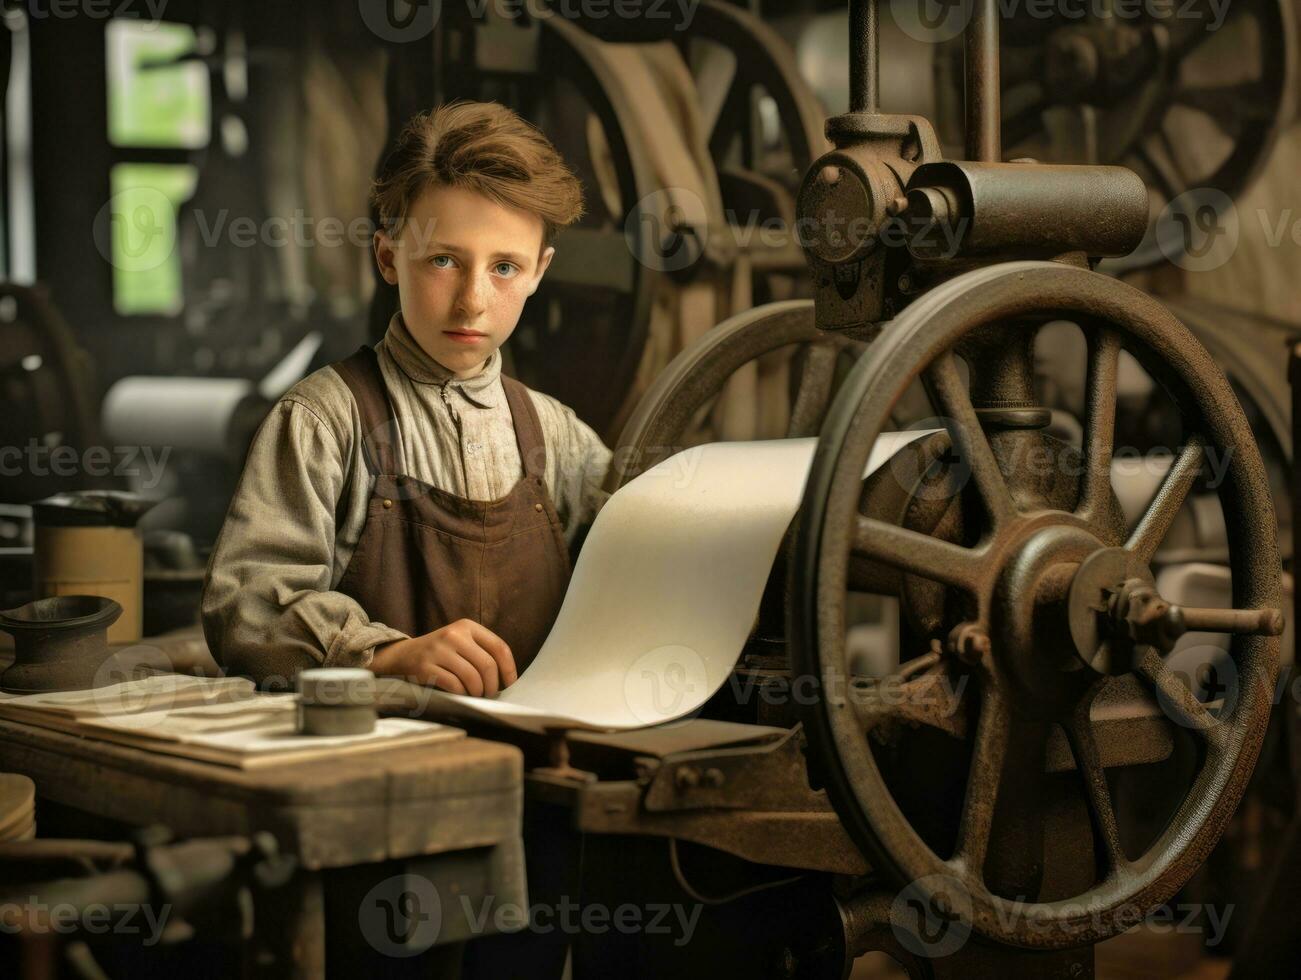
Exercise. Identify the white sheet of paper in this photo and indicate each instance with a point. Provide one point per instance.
(665, 590)
(154, 693)
(258, 731)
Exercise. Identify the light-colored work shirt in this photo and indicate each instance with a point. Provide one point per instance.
(269, 602)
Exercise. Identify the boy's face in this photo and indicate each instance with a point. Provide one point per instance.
(463, 265)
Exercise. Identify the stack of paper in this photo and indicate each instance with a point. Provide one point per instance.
(62, 709)
(220, 720)
(259, 732)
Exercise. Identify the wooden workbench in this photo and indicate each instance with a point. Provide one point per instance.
(458, 801)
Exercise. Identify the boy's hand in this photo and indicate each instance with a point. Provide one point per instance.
(463, 657)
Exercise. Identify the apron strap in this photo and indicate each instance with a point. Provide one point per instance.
(528, 430)
(361, 373)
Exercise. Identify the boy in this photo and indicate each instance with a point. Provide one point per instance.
(409, 509)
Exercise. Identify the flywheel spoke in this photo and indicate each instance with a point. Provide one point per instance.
(1161, 512)
(969, 438)
(920, 554)
(1099, 424)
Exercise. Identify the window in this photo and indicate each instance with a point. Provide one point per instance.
(154, 99)
(143, 240)
(159, 101)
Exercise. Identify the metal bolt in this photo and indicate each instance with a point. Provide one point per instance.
(896, 206)
(714, 777)
(687, 777)
(829, 174)
(905, 284)
(1144, 617)
(970, 643)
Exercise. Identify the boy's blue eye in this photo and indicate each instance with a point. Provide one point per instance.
(437, 261)
(506, 270)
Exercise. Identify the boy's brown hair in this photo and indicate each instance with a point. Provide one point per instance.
(484, 147)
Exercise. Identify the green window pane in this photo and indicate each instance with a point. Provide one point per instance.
(155, 106)
(142, 235)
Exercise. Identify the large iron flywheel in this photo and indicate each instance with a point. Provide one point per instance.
(1048, 610)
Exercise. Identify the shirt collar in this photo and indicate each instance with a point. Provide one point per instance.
(483, 390)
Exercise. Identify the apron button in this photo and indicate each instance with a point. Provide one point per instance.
(387, 504)
(537, 507)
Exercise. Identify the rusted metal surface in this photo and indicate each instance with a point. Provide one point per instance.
(848, 206)
(864, 56)
(755, 801)
(981, 72)
(771, 777)
(1128, 724)
(983, 208)
(742, 789)
(690, 735)
(1012, 577)
(813, 839)
(1145, 92)
(1258, 373)
(1024, 682)
(871, 925)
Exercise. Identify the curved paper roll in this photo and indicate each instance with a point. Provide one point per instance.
(188, 413)
(665, 591)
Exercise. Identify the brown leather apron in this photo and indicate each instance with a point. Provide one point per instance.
(427, 558)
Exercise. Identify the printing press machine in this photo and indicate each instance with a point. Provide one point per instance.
(1030, 777)
(986, 787)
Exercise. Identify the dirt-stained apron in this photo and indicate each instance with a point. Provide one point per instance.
(427, 558)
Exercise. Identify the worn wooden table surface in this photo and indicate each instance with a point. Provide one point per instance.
(458, 799)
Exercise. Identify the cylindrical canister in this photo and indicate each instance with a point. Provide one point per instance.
(87, 543)
(104, 561)
(336, 701)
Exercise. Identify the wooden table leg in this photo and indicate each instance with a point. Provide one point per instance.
(289, 927)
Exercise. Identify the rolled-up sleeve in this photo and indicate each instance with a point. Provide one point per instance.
(269, 608)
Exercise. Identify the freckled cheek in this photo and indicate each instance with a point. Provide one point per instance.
(432, 291)
(510, 297)
(436, 292)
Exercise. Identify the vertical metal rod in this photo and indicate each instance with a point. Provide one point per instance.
(984, 109)
(864, 57)
(1293, 727)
